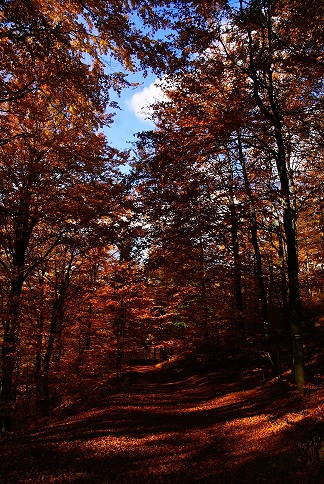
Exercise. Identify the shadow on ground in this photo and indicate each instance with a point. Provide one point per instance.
(167, 427)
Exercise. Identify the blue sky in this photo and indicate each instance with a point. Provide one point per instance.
(130, 119)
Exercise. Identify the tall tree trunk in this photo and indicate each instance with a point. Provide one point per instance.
(265, 98)
(283, 295)
(120, 337)
(237, 261)
(234, 231)
(56, 324)
(38, 367)
(203, 297)
(89, 325)
(9, 349)
(56, 328)
(254, 238)
(273, 348)
(23, 229)
(238, 298)
(294, 305)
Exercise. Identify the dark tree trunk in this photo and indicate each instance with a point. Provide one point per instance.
(269, 106)
(9, 349)
(255, 239)
(120, 336)
(294, 305)
(237, 269)
(54, 335)
(38, 370)
(89, 324)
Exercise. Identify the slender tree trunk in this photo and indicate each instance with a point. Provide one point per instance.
(273, 350)
(203, 296)
(234, 230)
(255, 239)
(46, 366)
(120, 336)
(39, 342)
(38, 369)
(9, 349)
(282, 297)
(23, 229)
(294, 305)
(237, 269)
(54, 335)
(237, 262)
(266, 100)
(89, 324)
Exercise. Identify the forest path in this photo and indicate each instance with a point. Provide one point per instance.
(171, 427)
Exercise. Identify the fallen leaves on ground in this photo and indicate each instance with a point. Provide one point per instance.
(170, 427)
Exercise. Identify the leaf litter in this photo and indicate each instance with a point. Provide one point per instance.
(168, 427)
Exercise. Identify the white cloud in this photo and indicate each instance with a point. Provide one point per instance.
(140, 102)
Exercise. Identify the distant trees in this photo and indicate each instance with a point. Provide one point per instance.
(215, 233)
(60, 187)
(243, 115)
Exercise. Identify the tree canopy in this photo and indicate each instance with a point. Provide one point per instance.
(214, 237)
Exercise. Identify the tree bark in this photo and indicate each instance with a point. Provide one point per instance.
(9, 349)
(265, 98)
(54, 334)
(237, 279)
(254, 238)
(294, 305)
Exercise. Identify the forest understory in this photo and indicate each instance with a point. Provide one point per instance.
(203, 231)
(182, 420)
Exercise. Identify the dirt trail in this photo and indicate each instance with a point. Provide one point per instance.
(172, 427)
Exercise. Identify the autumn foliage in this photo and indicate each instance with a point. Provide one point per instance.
(213, 238)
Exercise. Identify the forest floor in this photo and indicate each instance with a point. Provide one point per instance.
(169, 425)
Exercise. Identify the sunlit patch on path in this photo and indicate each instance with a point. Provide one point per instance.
(170, 428)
